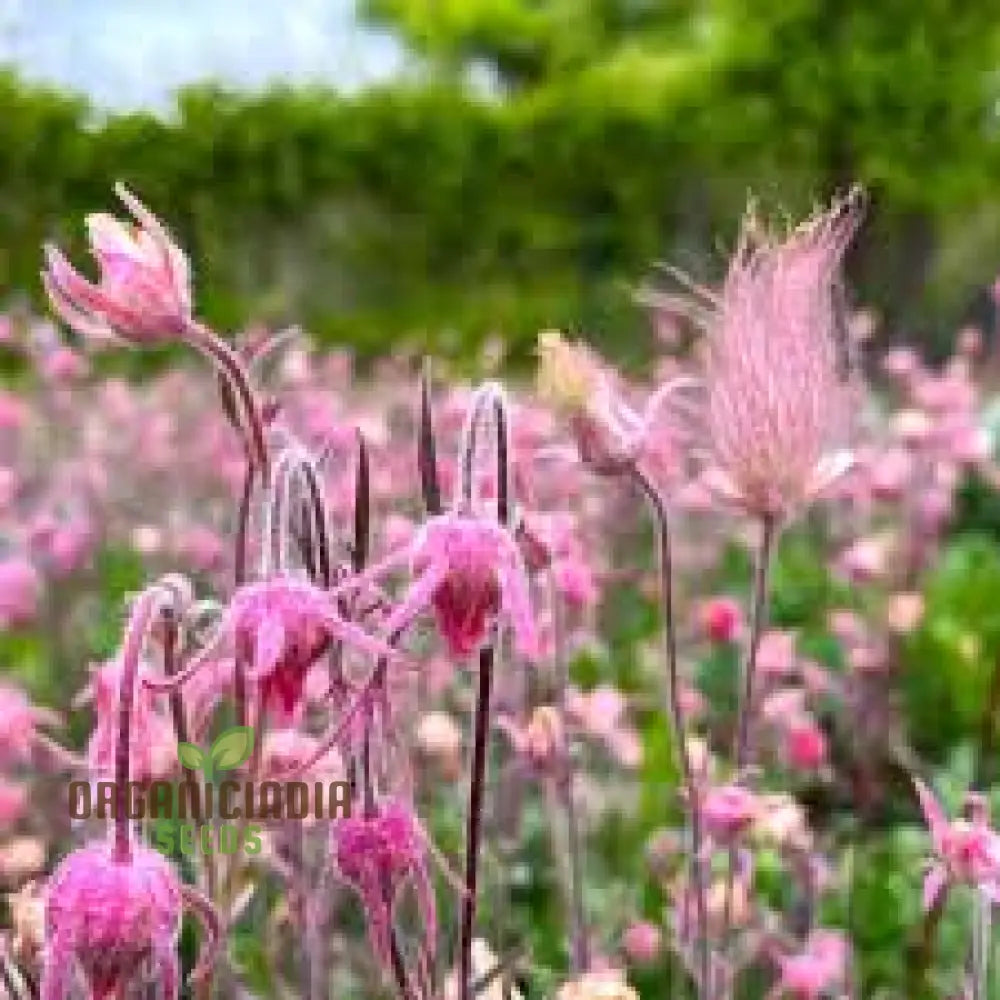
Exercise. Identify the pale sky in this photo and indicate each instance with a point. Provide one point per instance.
(134, 53)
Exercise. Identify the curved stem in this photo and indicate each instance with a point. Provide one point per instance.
(146, 606)
(231, 367)
(489, 396)
(692, 792)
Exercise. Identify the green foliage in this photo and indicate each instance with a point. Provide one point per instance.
(431, 214)
(949, 664)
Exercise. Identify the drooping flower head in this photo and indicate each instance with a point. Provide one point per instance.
(379, 853)
(470, 571)
(143, 294)
(610, 435)
(109, 920)
(967, 851)
(282, 625)
(777, 372)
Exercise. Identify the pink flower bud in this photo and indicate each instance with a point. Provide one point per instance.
(143, 294)
(721, 619)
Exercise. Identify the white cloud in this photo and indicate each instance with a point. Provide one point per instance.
(132, 53)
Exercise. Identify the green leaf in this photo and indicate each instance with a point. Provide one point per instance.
(191, 756)
(232, 748)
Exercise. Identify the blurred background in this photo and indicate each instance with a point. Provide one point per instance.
(442, 172)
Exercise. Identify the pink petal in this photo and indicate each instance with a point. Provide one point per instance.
(417, 597)
(269, 644)
(934, 815)
(934, 885)
(516, 602)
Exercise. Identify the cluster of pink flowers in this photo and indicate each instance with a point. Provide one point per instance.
(348, 568)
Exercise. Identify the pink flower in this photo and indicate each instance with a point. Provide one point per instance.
(541, 742)
(967, 851)
(776, 654)
(20, 592)
(904, 612)
(642, 942)
(804, 744)
(18, 722)
(144, 291)
(284, 625)
(728, 811)
(107, 918)
(778, 399)
(471, 572)
(818, 968)
(866, 560)
(721, 619)
(378, 855)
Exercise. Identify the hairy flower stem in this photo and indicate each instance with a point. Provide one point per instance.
(578, 926)
(758, 622)
(921, 953)
(231, 367)
(489, 398)
(170, 665)
(692, 793)
(981, 914)
(146, 606)
(477, 790)
(243, 528)
(744, 720)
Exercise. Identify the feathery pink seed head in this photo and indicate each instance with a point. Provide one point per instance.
(776, 375)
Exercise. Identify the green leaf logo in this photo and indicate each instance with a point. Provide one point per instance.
(232, 748)
(190, 756)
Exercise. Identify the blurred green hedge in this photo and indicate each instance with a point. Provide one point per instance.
(441, 210)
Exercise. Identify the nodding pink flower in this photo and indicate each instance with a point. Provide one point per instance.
(728, 811)
(470, 571)
(110, 920)
(721, 619)
(814, 971)
(282, 626)
(379, 854)
(20, 592)
(778, 396)
(967, 851)
(143, 294)
(609, 434)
